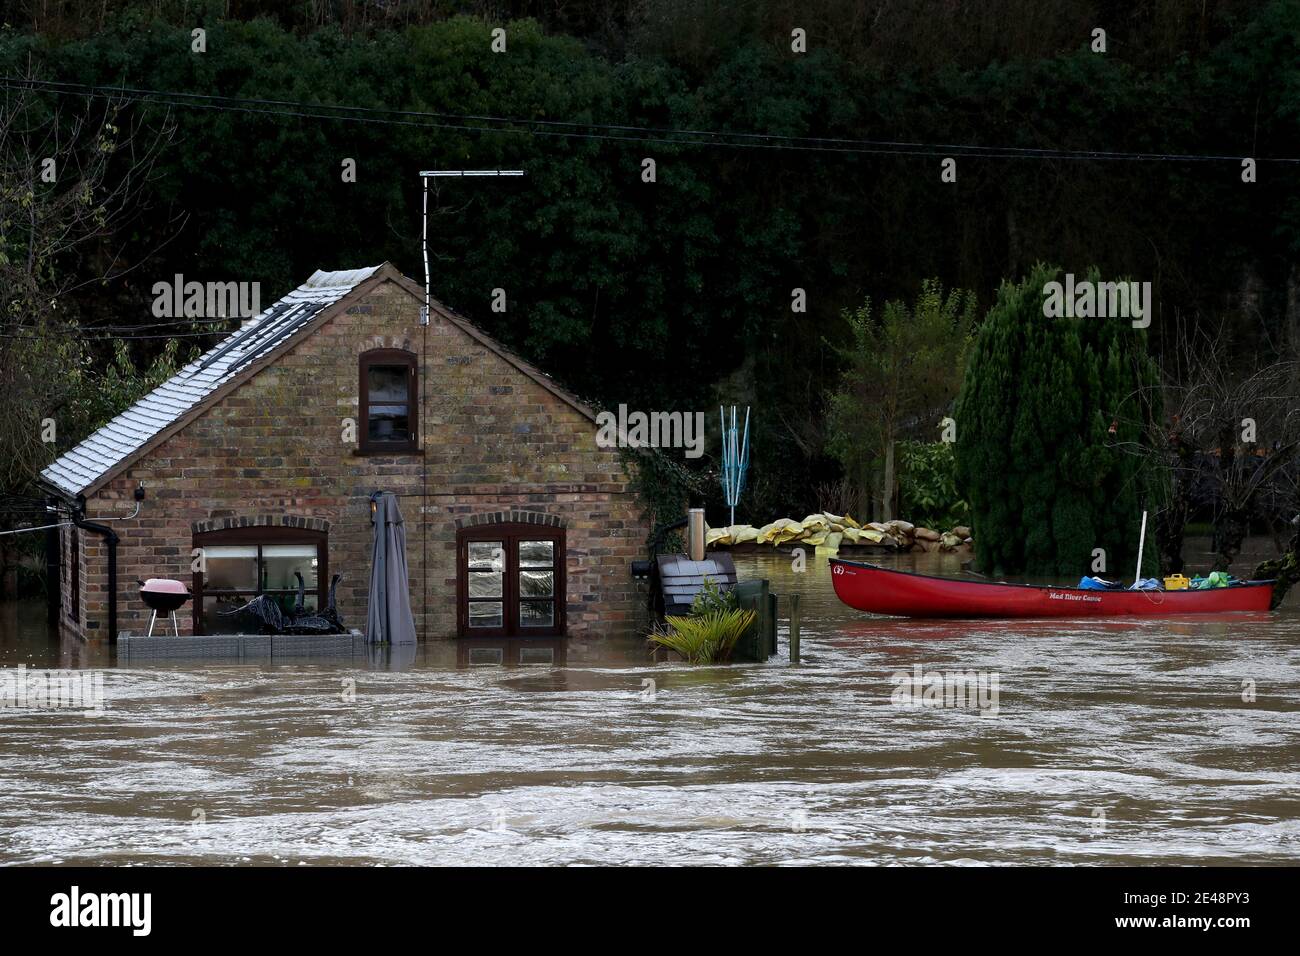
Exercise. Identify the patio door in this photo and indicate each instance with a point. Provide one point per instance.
(510, 581)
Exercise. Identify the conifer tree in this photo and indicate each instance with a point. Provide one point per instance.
(1048, 419)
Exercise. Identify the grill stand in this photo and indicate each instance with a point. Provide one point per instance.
(175, 627)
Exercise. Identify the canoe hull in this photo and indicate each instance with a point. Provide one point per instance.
(868, 587)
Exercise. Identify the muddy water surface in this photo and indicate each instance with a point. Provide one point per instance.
(1113, 742)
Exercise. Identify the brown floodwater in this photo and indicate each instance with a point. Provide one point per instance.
(1113, 742)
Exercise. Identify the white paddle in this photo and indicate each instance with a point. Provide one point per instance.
(1142, 540)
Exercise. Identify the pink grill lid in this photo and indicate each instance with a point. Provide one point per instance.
(164, 586)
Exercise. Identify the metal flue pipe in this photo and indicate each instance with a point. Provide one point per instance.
(695, 533)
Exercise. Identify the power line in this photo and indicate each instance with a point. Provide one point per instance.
(358, 115)
(613, 132)
(120, 338)
(168, 324)
(44, 527)
(90, 333)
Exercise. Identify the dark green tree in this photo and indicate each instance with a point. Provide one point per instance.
(677, 293)
(900, 375)
(1047, 421)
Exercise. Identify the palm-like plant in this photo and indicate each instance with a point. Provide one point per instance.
(705, 638)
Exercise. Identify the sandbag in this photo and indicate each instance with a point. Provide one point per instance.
(815, 522)
(832, 543)
(780, 530)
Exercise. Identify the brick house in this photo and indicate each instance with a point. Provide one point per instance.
(261, 455)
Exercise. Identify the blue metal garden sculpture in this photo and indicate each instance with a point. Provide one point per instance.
(735, 458)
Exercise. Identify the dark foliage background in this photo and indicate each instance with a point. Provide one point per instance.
(677, 294)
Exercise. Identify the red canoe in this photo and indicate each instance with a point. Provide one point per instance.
(869, 587)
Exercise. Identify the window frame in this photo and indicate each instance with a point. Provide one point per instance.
(387, 357)
(258, 536)
(510, 534)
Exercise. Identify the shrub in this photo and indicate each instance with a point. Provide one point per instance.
(712, 599)
(927, 485)
(705, 638)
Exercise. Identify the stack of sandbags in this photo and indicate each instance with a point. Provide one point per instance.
(929, 540)
(903, 533)
(780, 531)
(824, 540)
(827, 531)
(926, 539)
(861, 535)
(958, 539)
(735, 534)
(843, 521)
(839, 529)
(815, 523)
(821, 532)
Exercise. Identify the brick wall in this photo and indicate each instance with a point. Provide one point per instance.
(493, 438)
(66, 600)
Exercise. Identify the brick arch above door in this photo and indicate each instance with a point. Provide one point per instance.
(261, 521)
(513, 516)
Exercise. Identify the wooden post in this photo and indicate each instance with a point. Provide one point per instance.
(794, 629)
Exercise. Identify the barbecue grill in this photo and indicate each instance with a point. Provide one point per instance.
(164, 595)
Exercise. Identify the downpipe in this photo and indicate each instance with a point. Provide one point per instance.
(110, 536)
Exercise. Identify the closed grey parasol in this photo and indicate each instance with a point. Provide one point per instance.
(389, 620)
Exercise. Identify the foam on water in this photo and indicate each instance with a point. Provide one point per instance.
(1114, 742)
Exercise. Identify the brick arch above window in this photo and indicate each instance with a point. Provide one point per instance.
(261, 521)
(514, 516)
(377, 342)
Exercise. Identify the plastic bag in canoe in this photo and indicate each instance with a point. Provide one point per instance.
(1146, 584)
(1096, 584)
(1215, 579)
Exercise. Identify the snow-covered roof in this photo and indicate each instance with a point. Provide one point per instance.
(130, 432)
